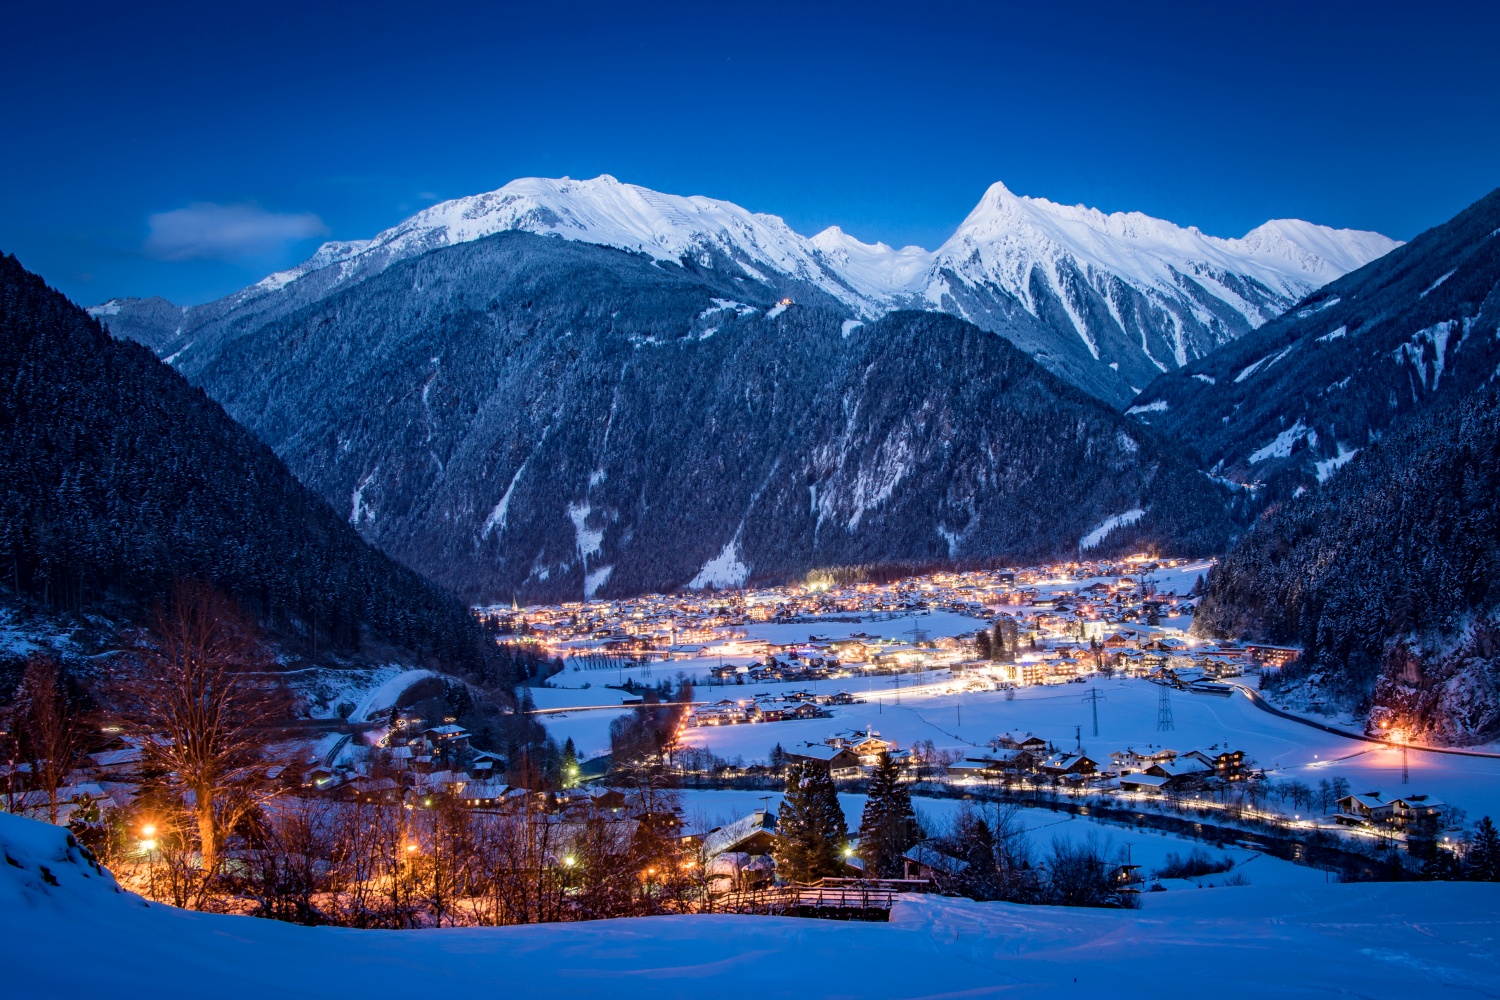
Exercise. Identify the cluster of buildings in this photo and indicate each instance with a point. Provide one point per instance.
(1061, 622)
(1153, 772)
(853, 753)
(766, 707)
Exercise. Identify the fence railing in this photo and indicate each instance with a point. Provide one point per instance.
(843, 894)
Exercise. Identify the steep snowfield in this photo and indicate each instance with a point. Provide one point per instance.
(82, 937)
(1007, 236)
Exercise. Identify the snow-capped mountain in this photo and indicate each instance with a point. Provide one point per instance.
(606, 212)
(1126, 292)
(1291, 403)
(525, 415)
(1106, 301)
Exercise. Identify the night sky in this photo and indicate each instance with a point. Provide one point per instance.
(187, 152)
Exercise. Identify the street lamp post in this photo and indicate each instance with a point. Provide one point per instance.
(148, 844)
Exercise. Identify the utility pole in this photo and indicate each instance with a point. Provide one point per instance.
(1164, 722)
(1094, 698)
(1405, 774)
(1078, 739)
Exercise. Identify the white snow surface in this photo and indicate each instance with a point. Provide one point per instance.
(1281, 445)
(998, 245)
(1109, 524)
(1328, 466)
(384, 697)
(726, 569)
(84, 937)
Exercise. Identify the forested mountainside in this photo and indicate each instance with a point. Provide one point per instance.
(1289, 404)
(118, 477)
(1107, 301)
(521, 415)
(1388, 575)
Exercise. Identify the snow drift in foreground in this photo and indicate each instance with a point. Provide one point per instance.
(82, 936)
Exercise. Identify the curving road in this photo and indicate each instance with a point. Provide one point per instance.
(1265, 706)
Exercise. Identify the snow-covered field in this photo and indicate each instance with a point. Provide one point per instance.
(83, 938)
(1128, 718)
(1177, 580)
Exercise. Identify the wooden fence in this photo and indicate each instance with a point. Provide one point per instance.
(849, 898)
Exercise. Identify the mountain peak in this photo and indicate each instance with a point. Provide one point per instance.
(1126, 295)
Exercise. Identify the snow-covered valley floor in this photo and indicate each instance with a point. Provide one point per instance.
(83, 938)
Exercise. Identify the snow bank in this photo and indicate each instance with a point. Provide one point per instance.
(82, 937)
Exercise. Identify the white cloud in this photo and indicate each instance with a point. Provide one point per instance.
(205, 231)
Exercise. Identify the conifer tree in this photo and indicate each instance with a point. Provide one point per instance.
(1483, 861)
(810, 829)
(569, 764)
(888, 826)
(982, 645)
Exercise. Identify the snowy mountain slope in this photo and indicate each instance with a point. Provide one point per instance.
(1127, 292)
(1107, 301)
(1291, 403)
(80, 937)
(1386, 577)
(550, 419)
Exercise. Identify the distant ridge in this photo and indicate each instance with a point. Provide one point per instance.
(1106, 301)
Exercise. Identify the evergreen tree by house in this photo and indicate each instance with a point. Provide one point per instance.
(810, 828)
(983, 647)
(569, 764)
(118, 478)
(1006, 639)
(888, 826)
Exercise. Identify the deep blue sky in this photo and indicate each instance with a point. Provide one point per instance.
(283, 123)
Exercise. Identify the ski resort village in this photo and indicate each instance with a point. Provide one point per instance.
(828, 746)
(648, 502)
(1051, 736)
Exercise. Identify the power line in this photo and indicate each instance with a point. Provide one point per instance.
(1164, 722)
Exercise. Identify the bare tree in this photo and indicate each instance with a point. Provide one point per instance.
(49, 727)
(194, 689)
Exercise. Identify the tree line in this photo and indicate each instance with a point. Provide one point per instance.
(118, 478)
